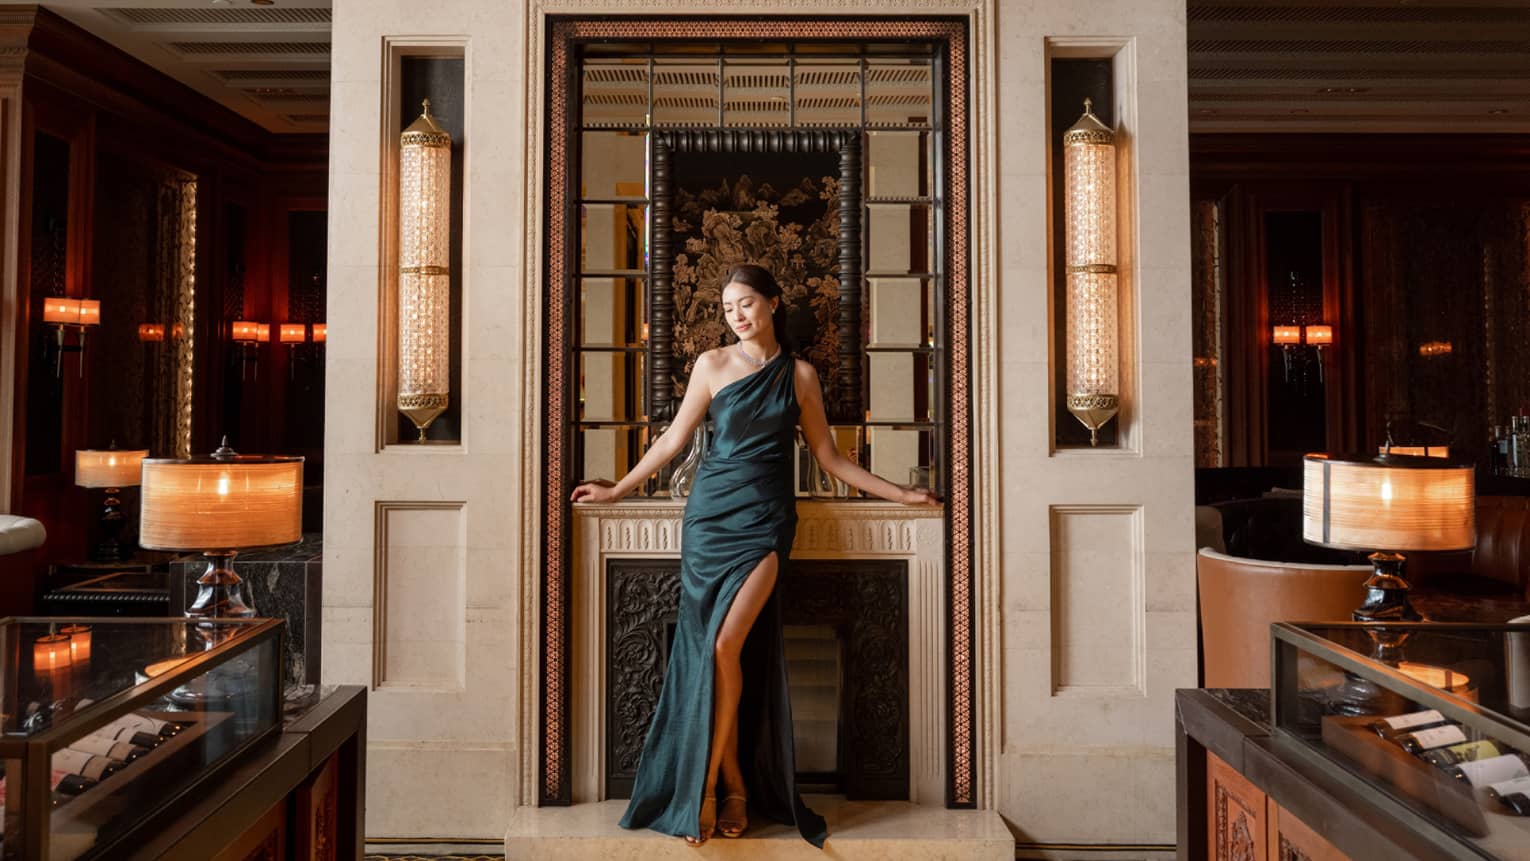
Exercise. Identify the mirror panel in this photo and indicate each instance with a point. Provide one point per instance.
(899, 239)
(613, 237)
(685, 93)
(611, 386)
(899, 93)
(611, 312)
(615, 93)
(757, 94)
(615, 166)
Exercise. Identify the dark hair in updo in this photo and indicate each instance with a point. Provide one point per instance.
(759, 279)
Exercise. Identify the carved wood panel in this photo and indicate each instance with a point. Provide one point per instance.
(866, 601)
(1236, 820)
(1293, 840)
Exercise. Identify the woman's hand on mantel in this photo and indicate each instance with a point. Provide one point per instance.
(919, 496)
(599, 490)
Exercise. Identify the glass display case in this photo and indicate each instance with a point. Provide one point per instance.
(1430, 720)
(110, 724)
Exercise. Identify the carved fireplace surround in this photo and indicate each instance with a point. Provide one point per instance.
(839, 530)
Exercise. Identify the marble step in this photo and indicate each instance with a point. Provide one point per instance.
(811, 650)
(858, 831)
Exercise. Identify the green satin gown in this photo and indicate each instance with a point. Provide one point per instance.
(742, 507)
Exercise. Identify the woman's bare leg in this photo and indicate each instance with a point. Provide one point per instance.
(728, 683)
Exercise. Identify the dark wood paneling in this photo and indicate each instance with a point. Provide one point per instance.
(1367, 187)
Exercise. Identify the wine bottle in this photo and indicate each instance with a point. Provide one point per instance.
(132, 735)
(84, 764)
(146, 724)
(102, 746)
(1495, 769)
(1449, 757)
(66, 786)
(1421, 740)
(1513, 794)
(1390, 728)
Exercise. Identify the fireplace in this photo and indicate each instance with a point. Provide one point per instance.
(864, 605)
(846, 627)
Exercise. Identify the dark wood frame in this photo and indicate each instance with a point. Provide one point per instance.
(844, 399)
(948, 35)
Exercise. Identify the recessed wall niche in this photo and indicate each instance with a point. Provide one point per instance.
(417, 72)
(1099, 70)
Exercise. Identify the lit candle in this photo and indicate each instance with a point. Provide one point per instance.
(79, 642)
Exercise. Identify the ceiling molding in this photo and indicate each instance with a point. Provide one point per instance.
(231, 54)
(1358, 66)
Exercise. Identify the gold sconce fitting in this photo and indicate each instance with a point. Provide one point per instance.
(424, 282)
(1093, 334)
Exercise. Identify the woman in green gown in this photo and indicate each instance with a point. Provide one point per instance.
(723, 720)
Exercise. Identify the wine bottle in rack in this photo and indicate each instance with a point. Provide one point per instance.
(1486, 772)
(1513, 794)
(84, 764)
(146, 724)
(131, 735)
(1421, 740)
(1390, 728)
(102, 746)
(1450, 757)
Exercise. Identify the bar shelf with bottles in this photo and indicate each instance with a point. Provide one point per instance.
(1509, 449)
(1432, 720)
(108, 722)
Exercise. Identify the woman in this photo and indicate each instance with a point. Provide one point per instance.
(738, 528)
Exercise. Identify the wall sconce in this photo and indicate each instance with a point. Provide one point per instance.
(62, 312)
(424, 281)
(111, 470)
(1430, 349)
(318, 333)
(246, 334)
(151, 332)
(1089, 183)
(292, 334)
(1319, 337)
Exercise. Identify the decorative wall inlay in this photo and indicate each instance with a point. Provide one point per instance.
(867, 600)
(1289, 852)
(554, 786)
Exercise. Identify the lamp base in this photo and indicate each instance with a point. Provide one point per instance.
(1386, 592)
(1386, 600)
(1093, 411)
(109, 548)
(219, 590)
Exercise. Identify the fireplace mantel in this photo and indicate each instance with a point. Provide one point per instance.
(826, 529)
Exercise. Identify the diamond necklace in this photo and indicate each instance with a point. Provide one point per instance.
(758, 363)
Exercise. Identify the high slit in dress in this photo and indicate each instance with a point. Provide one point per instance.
(742, 508)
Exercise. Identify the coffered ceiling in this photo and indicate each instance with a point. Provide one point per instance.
(268, 61)
(1369, 66)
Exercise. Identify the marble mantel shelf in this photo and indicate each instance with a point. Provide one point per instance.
(826, 529)
(833, 529)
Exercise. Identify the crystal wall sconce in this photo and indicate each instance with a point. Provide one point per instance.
(1093, 335)
(424, 281)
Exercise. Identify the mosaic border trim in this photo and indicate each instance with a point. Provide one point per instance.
(554, 784)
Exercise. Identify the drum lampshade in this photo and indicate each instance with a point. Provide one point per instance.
(230, 503)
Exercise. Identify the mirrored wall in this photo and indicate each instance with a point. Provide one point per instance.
(818, 161)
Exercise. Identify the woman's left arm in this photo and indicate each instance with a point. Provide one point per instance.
(815, 430)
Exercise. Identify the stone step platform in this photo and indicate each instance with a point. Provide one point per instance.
(858, 831)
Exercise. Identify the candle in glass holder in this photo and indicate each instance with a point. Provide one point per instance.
(79, 642)
(50, 662)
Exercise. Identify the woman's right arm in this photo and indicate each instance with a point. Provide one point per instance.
(693, 408)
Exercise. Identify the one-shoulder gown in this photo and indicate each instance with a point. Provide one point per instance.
(742, 507)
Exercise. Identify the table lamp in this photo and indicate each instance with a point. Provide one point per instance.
(221, 504)
(113, 470)
(1387, 504)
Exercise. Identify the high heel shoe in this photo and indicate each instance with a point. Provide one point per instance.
(730, 826)
(705, 824)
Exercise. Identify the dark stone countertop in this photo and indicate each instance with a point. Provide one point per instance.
(1252, 704)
